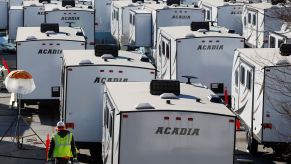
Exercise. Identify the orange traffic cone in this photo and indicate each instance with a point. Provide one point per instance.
(237, 124)
(47, 145)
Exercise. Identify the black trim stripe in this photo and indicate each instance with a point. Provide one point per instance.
(240, 110)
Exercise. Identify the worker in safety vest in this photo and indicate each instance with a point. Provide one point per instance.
(62, 145)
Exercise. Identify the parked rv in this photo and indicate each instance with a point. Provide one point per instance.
(70, 14)
(3, 15)
(84, 75)
(120, 19)
(224, 13)
(164, 15)
(258, 20)
(261, 96)
(33, 13)
(102, 19)
(15, 21)
(200, 51)
(165, 122)
(277, 38)
(38, 51)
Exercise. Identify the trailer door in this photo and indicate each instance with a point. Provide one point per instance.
(245, 95)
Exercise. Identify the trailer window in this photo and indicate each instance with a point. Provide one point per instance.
(106, 112)
(236, 78)
(280, 42)
(160, 49)
(249, 80)
(117, 15)
(254, 20)
(249, 18)
(163, 47)
(242, 75)
(133, 22)
(130, 18)
(110, 125)
(208, 15)
(245, 20)
(272, 42)
(167, 51)
(113, 15)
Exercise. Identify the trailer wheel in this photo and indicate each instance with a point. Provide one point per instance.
(252, 144)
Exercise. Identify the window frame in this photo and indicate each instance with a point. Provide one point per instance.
(242, 75)
(249, 18)
(236, 77)
(249, 80)
(272, 43)
(254, 19)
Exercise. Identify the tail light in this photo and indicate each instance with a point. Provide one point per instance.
(166, 118)
(178, 118)
(267, 126)
(70, 125)
(124, 116)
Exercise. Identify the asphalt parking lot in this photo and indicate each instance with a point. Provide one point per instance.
(33, 150)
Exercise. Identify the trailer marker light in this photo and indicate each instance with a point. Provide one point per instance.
(51, 44)
(217, 41)
(241, 40)
(120, 71)
(166, 118)
(43, 44)
(231, 121)
(92, 43)
(65, 13)
(18, 43)
(190, 119)
(58, 44)
(70, 125)
(210, 41)
(152, 72)
(267, 126)
(83, 44)
(70, 69)
(179, 41)
(102, 70)
(96, 23)
(178, 118)
(111, 71)
(203, 41)
(125, 116)
(267, 115)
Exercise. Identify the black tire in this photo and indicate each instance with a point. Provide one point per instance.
(252, 144)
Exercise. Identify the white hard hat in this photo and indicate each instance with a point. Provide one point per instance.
(60, 124)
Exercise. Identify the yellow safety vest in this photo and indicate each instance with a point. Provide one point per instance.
(63, 145)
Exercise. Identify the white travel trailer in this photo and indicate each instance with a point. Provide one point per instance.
(190, 127)
(223, 13)
(33, 13)
(200, 51)
(172, 15)
(258, 20)
(15, 21)
(73, 15)
(102, 19)
(84, 75)
(3, 15)
(14, 3)
(261, 96)
(39, 51)
(140, 28)
(277, 38)
(120, 19)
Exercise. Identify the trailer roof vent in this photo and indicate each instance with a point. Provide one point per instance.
(231, 31)
(68, 3)
(85, 62)
(55, 9)
(158, 87)
(189, 35)
(175, 5)
(44, 27)
(282, 62)
(144, 106)
(144, 58)
(101, 49)
(130, 5)
(42, 1)
(168, 96)
(31, 38)
(107, 56)
(33, 5)
(199, 25)
(135, 1)
(166, 7)
(202, 30)
(214, 99)
(285, 49)
(79, 33)
(171, 2)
